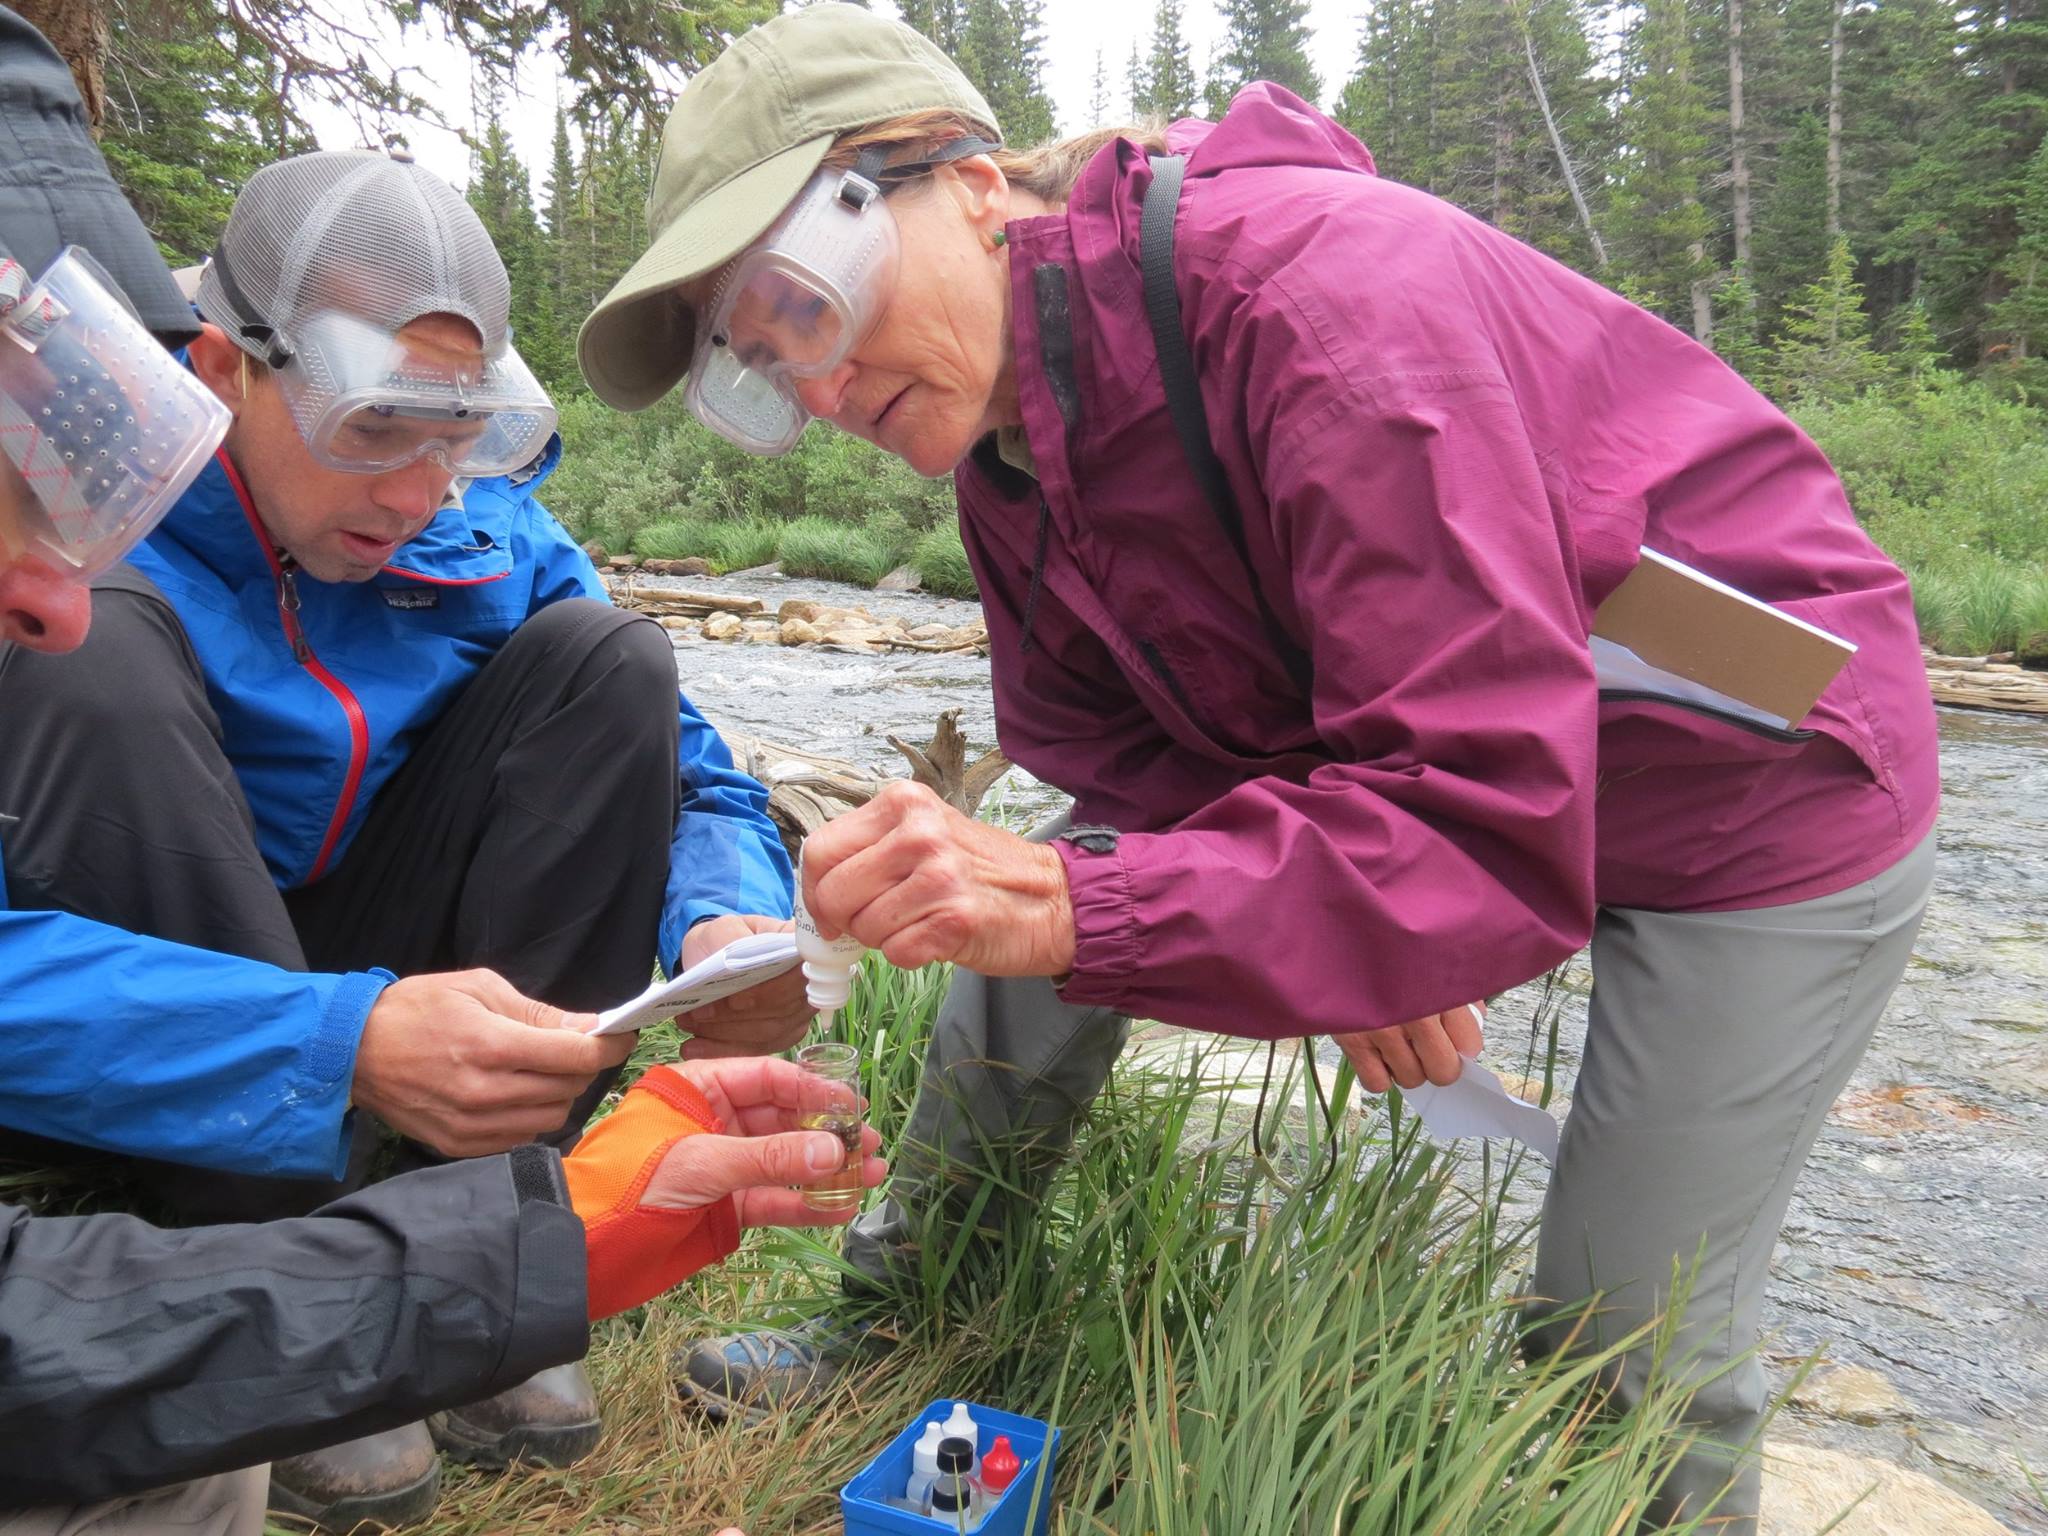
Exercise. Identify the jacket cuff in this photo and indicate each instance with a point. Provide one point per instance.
(1106, 942)
(329, 1068)
(551, 1312)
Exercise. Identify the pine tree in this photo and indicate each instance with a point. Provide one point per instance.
(1737, 336)
(1098, 94)
(1790, 240)
(1388, 102)
(1824, 350)
(502, 195)
(1916, 354)
(183, 125)
(2018, 321)
(1171, 89)
(939, 20)
(1657, 220)
(1262, 40)
(1137, 86)
(1001, 43)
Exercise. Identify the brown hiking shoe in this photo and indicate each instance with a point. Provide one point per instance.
(548, 1420)
(392, 1478)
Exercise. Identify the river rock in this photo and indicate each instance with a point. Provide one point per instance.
(723, 626)
(596, 551)
(621, 563)
(1851, 1392)
(799, 631)
(930, 631)
(851, 637)
(903, 579)
(762, 632)
(798, 608)
(1806, 1487)
(690, 565)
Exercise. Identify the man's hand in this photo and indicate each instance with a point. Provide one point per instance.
(1427, 1050)
(909, 875)
(760, 1100)
(767, 1018)
(465, 1063)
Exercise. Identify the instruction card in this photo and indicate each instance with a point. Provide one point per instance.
(1677, 632)
(741, 964)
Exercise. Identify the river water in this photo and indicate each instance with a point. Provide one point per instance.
(1917, 1244)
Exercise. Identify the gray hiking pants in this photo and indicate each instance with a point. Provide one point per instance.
(228, 1505)
(1715, 1044)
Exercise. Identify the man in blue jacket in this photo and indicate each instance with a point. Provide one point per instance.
(360, 710)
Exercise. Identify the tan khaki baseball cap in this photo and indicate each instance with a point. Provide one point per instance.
(745, 136)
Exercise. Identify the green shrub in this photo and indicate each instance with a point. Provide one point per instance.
(814, 546)
(941, 562)
(675, 540)
(741, 546)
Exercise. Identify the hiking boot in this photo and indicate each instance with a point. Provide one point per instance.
(548, 1420)
(754, 1376)
(392, 1478)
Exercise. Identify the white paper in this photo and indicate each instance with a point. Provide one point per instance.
(1477, 1104)
(741, 964)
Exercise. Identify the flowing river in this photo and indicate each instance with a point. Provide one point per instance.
(1917, 1244)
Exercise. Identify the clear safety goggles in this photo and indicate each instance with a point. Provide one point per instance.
(104, 429)
(367, 401)
(797, 302)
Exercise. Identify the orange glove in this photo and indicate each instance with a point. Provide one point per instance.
(637, 1252)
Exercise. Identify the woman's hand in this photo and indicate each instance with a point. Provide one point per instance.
(760, 1100)
(1431, 1049)
(912, 877)
(770, 1017)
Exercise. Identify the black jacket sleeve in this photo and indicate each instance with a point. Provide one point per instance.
(132, 1357)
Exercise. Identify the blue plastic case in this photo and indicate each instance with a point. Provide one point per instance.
(1025, 1508)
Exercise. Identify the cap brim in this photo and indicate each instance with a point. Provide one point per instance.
(635, 347)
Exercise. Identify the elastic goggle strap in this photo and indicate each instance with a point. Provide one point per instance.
(254, 328)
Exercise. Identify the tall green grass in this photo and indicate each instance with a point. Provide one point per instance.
(1220, 1356)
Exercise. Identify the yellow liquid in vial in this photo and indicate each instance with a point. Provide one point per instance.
(839, 1191)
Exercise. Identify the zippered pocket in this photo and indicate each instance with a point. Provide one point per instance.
(1706, 711)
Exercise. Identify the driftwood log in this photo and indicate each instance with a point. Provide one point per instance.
(1979, 682)
(806, 790)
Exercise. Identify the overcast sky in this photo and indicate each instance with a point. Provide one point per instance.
(1074, 30)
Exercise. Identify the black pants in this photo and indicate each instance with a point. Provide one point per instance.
(528, 832)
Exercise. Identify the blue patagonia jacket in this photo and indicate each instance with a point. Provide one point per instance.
(213, 1059)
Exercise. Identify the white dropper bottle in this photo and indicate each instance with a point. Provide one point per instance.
(924, 1464)
(961, 1423)
(829, 964)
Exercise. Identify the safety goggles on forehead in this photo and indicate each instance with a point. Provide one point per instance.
(367, 401)
(103, 427)
(796, 302)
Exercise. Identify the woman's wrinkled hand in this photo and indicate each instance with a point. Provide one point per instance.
(1431, 1049)
(764, 1150)
(910, 876)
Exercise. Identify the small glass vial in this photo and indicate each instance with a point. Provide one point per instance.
(830, 1101)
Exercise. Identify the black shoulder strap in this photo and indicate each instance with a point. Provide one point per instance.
(1184, 395)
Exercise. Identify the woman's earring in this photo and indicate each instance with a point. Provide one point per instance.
(998, 240)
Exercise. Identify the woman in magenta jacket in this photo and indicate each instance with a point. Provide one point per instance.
(1353, 771)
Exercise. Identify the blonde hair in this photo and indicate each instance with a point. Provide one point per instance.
(1047, 172)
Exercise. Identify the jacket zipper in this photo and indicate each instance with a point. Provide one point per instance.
(285, 572)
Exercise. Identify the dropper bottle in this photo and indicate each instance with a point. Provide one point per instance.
(829, 964)
(830, 1089)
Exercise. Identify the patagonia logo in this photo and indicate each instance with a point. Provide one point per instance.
(411, 597)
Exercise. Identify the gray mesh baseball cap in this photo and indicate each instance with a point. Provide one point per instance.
(365, 234)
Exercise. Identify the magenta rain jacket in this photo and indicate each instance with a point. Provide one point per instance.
(1448, 450)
